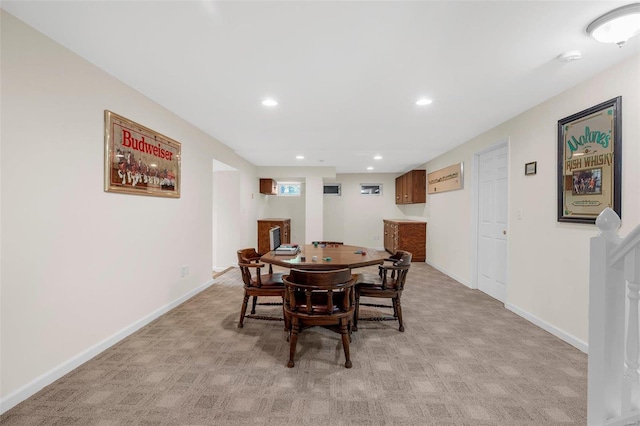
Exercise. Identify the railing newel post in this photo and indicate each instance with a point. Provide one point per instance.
(605, 345)
(631, 402)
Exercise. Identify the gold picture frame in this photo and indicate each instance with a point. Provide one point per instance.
(139, 160)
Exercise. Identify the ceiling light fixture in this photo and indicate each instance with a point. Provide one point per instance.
(423, 102)
(617, 26)
(378, 157)
(369, 168)
(300, 157)
(269, 102)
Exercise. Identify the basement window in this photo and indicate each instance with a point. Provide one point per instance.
(371, 188)
(289, 189)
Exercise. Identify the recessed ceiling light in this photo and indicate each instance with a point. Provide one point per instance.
(378, 157)
(369, 168)
(300, 157)
(269, 102)
(423, 102)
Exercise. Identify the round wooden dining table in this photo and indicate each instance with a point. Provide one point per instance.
(329, 256)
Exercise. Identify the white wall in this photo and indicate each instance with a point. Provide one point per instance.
(226, 209)
(81, 267)
(287, 208)
(352, 218)
(548, 260)
(294, 208)
(314, 210)
(355, 218)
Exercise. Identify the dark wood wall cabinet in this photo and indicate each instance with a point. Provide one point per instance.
(263, 232)
(269, 187)
(408, 235)
(411, 187)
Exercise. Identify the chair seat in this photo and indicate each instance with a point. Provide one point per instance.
(367, 279)
(367, 290)
(373, 281)
(269, 280)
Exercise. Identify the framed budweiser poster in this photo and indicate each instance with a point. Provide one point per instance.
(139, 160)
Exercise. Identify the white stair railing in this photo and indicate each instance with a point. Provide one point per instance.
(614, 336)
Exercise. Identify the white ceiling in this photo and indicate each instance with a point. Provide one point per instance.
(346, 74)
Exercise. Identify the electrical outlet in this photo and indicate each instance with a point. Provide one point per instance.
(184, 271)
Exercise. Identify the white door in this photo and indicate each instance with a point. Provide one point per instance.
(492, 222)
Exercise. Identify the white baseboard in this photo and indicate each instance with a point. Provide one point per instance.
(217, 269)
(629, 419)
(572, 340)
(444, 271)
(51, 376)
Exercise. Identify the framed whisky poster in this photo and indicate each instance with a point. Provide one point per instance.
(589, 162)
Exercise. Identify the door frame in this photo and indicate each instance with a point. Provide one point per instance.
(221, 257)
(475, 213)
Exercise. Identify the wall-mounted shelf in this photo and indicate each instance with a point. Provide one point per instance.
(268, 186)
(411, 187)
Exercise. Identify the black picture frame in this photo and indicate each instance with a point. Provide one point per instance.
(531, 168)
(588, 140)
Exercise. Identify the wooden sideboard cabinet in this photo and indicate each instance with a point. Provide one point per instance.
(411, 187)
(263, 232)
(268, 186)
(408, 235)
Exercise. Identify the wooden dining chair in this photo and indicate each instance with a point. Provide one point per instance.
(258, 284)
(387, 284)
(319, 298)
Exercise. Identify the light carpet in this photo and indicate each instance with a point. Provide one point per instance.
(463, 360)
